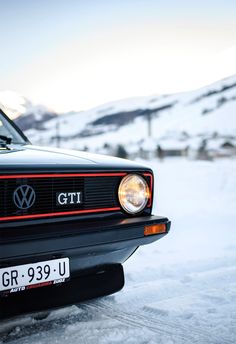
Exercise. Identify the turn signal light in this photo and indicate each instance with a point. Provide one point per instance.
(155, 229)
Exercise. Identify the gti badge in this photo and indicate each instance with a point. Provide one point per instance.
(24, 197)
(66, 198)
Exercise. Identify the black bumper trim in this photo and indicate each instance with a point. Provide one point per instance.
(82, 237)
(107, 280)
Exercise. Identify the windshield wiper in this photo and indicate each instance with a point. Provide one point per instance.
(6, 139)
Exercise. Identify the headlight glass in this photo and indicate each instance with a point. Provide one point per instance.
(133, 193)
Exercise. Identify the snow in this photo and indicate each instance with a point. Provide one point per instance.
(173, 144)
(13, 103)
(181, 289)
(194, 113)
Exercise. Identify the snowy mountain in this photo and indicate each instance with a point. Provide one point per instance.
(176, 121)
(13, 103)
(26, 114)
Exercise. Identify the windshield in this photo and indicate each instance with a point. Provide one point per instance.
(7, 130)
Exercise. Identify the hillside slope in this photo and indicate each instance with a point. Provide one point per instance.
(26, 114)
(169, 120)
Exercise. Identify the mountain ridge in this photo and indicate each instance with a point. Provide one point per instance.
(203, 114)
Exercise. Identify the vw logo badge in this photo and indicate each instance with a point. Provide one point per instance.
(24, 197)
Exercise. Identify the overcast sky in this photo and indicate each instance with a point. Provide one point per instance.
(73, 55)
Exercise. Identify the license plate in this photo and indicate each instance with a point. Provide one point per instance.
(29, 276)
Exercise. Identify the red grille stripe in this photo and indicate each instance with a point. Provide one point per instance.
(58, 175)
(21, 217)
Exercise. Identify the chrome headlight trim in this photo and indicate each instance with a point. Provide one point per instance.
(133, 193)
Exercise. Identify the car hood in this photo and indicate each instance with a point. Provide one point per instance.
(31, 157)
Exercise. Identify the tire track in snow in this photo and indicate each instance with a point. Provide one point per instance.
(115, 310)
(182, 333)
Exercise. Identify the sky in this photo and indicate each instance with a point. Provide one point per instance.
(75, 55)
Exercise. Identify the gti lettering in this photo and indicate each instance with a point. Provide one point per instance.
(65, 198)
(9, 278)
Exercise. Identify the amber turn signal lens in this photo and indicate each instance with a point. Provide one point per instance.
(155, 229)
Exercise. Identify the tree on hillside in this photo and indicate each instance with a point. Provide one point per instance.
(121, 152)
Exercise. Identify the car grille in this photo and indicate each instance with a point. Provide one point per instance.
(98, 194)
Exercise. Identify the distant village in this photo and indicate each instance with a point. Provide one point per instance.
(202, 148)
(205, 146)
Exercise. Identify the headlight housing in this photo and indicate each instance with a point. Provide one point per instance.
(133, 193)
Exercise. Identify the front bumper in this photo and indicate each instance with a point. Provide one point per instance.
(86, 243)
(96, 250)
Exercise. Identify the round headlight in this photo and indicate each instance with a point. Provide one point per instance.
(133, 193)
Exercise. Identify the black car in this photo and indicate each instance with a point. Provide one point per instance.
(68, 220)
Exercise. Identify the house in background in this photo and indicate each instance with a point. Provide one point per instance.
(172, 148)
(228, 148)
(221, 147)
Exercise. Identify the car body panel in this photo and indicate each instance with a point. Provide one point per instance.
(29, 157)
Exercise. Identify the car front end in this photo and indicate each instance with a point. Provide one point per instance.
(68, 221)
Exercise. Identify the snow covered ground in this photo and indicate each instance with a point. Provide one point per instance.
(181, 289)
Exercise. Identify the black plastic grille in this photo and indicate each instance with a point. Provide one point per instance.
(98, 192)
